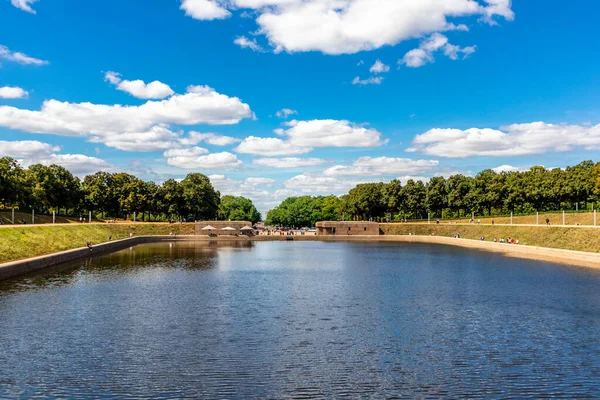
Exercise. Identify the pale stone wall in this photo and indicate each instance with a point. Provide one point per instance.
(347, 228)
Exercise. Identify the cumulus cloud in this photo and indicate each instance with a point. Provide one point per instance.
(319, 184)
(425, 53)
(8, 92)
(21, 58)
(116, 124)
(269, 147)
(138, 88)
(349, 26)
(289, 162)
(368, 166)
(512, 140)
(24, 5)
(509, 168)
(29, 152)
(192, 159)
(204, 9)
(210, 138)
(374, 80)
(285, 112)
(246, 43)
(331, 133)
(379, 67)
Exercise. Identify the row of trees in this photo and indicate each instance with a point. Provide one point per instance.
(116, 195)
(487, 194)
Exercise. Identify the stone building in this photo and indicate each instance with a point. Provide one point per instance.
(347, 228)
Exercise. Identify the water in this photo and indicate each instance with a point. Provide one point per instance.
(301, 320)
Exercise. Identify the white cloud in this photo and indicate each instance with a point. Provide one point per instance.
(26, 149)
(404, 179)
(15, 56)
(112, 124)
(318, 184)
(425, 53)
(374, 80)
(331, 133)
(156, 138)
(368, 166)
(512, 140)
(78, 164)
(192, 159)
(289, 162)
(260, 181)
(24, 5)
(8, 92)
(204, 9)
(246, 43)
(29, 152)
(349, 26)
(138, 88)
(509, 168)
(210, 138)
(285, 112)
(269, 147)
(361, 62)
(379, 67)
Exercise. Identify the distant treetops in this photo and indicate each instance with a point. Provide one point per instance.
(117, 195)
(488, 193)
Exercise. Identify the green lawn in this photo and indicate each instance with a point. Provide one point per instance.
(569, 238)
(28, 241)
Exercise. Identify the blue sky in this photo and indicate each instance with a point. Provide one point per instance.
(196, 86)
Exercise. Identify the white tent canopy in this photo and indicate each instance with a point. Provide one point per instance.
(247, 228)
(209, 228)
(228, 228)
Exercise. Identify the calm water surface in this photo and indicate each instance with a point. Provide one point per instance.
(301, 320)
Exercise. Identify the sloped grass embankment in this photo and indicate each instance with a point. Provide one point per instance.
(29, 241)
(579, 239)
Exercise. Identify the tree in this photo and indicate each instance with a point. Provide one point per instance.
(238, 209)
(437, 195)
(12, 188)
(98, 192)
(200, 198)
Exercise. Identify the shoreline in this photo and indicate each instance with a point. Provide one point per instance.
(17, 268)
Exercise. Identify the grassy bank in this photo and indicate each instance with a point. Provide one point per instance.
(556, 218)
(29, 241)
(580, 239)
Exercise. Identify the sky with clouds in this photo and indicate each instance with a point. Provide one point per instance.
(275, 98)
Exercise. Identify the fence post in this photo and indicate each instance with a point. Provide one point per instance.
(511, 215)
(13, 216)
(53, 216)
(595, 218)
(564, 218)
(537, 218)
(428, 218)
(134, 216)
(90, 217)
(32, 217)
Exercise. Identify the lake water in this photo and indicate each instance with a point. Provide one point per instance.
(301, 320)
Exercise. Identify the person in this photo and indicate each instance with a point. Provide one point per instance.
(548, 221)
(437, 221)
(89, 245)
(482, 238)
(478, 221)
(495, 239)
(130, 234)
(517, 242)
(493, 222)
(110, 238)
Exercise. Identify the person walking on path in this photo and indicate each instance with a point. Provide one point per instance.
(547, 221)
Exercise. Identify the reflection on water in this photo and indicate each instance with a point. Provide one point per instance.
(301, 320)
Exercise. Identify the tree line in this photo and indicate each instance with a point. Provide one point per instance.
(116, 195)
(487, 194)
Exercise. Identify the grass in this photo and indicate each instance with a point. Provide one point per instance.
(6, 217)
(556, 218)
(568, 238)
(24, 241)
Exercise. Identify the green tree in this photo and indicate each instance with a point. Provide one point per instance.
(200, 198)
(238, 209)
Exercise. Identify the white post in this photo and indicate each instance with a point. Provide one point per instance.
(428, 218)
(32, 217)
(90, 217)
(595, 218)
(563, 218)
(473, 216)
(13, 216)
(53, 216)
(537, 218)
(511, 215)
(134, 216)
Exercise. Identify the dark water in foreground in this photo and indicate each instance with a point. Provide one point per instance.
(301, 320)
